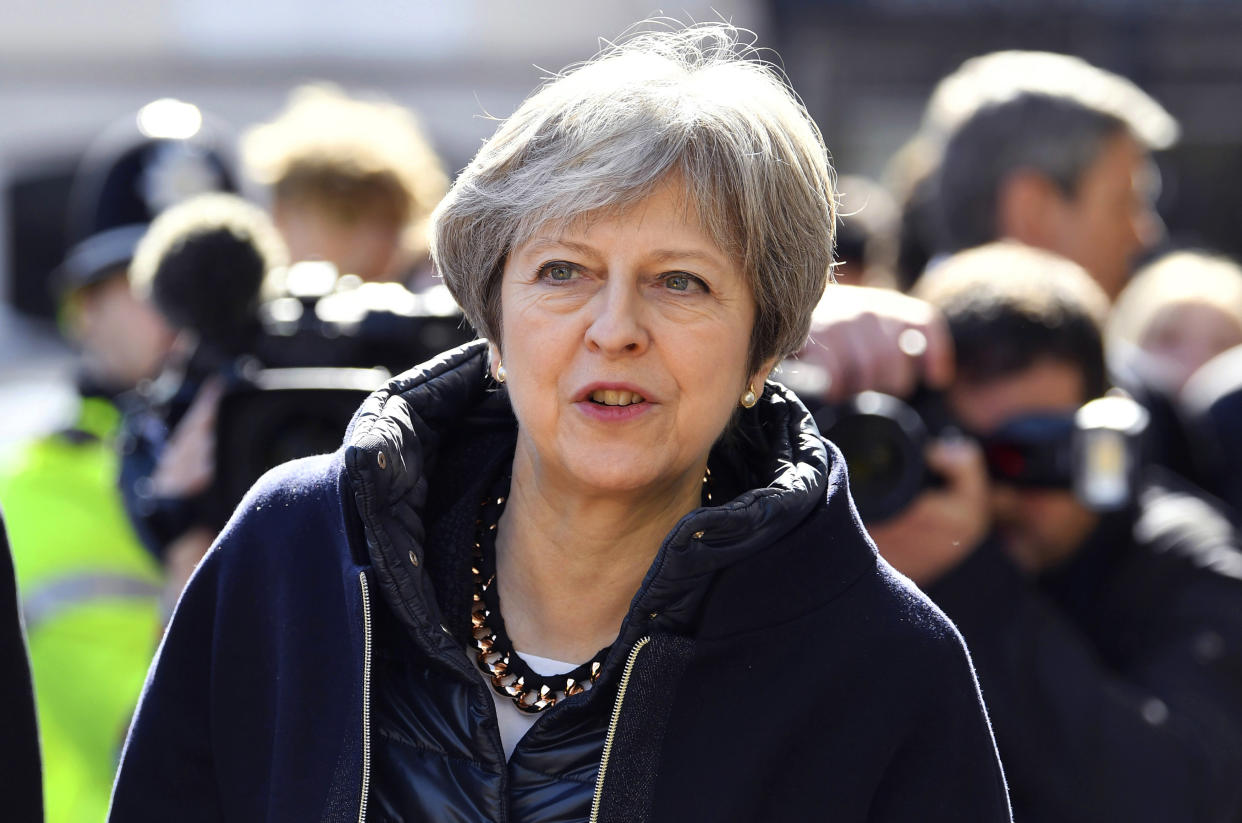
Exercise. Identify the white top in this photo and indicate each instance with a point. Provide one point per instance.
(515, 723)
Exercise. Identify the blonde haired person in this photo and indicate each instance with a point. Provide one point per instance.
(1178, 312)
(595, 566)
(352, 181)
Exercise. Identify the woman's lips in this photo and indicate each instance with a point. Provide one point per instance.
(600, 411)
(615, 397)
(613, 402)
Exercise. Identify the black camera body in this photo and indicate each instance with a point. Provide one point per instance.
(883, 439)
(320, 348)
(1095, 452)
(319, 355)
(276, 415)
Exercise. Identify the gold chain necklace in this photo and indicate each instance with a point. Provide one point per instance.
(529, 691)
(530, 694)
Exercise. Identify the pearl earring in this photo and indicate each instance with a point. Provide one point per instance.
(501, 374)
(750, 398)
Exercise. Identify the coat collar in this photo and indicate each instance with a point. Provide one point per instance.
(399, 440)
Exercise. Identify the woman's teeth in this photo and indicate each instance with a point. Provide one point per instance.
(611, 397)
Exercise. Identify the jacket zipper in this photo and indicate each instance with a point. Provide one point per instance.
(612, 725)
(366, 698)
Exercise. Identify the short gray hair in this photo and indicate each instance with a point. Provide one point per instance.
(1049, 113)
(693, 102)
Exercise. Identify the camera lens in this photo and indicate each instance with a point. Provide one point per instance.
(882, 440)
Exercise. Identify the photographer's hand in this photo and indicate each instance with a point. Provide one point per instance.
(869, 339)
(187, 464)
(943, 525)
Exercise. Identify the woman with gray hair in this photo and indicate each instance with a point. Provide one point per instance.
(595, 565)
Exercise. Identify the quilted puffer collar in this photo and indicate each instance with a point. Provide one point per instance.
(394, 441)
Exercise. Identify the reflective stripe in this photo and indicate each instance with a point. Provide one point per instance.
(50, 599)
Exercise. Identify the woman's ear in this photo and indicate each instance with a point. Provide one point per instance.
(761, 374)
(754, 386)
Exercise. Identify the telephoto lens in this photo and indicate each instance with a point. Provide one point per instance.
(883, 439)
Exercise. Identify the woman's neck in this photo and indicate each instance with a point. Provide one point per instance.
(568, 562)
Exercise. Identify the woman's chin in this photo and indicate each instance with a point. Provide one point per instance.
(622, 474)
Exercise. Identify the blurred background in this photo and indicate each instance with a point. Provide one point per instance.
(68, 68)
(119, 463)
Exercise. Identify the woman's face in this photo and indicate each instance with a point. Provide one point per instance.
(625, 340)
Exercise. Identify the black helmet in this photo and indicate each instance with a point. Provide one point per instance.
(138, 167)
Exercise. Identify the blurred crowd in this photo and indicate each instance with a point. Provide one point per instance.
(1035, 391)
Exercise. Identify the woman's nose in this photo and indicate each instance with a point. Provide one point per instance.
(617, 324)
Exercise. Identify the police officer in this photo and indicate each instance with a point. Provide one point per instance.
(90, 593)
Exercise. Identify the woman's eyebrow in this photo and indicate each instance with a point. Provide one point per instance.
(664, 255)
(543, 244)
(539, 244)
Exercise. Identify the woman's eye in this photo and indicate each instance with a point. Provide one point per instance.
(558, 272)
(684, 282)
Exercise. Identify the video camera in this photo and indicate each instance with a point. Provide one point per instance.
(1096, 451)
(326, 343)
(294, 380)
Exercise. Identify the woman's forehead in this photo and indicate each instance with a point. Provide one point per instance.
(676, 205)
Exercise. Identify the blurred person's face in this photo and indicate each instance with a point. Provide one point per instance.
(1183, 336)
(1040, 527)
(1110, 218)
(124, 340)
(369, 247)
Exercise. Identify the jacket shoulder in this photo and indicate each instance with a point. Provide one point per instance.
(911, 630)
(305, 503)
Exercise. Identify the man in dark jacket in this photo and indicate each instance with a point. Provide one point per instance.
(1108, 644)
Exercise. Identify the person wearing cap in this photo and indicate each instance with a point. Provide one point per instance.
(89, 591)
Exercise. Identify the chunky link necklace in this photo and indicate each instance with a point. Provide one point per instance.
(494, 654)
(504, 668)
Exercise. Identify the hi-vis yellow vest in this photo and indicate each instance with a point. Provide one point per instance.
(90, 598)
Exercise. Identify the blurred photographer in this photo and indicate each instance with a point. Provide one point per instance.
(1054, 152)
(1042, 148)
(1108, 643)
(203, 265)
(269, 363)
(1180, 311)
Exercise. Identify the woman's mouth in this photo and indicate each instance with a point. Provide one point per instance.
(613, 404)
(614, 397)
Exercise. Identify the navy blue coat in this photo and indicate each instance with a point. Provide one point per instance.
(775, 668)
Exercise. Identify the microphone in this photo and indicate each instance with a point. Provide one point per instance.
(204, 264)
